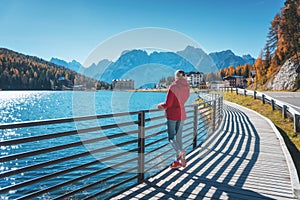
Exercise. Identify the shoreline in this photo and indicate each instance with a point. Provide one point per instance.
(192, 90)
(148, 90)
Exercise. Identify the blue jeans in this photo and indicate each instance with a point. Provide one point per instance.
(175, 134)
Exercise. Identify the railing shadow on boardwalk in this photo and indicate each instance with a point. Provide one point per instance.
(216, 170)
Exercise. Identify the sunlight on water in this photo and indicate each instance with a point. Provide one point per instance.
(15, 105)
(20, 95)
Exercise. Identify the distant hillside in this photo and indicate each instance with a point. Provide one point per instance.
(23, 72)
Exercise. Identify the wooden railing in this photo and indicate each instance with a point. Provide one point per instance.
(94, 156)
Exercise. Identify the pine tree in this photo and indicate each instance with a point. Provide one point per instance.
(272, 39)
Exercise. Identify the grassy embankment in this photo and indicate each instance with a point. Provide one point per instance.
(283, 125)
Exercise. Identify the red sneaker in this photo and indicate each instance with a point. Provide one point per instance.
(182, 155)
(175, 165)
(183, 164)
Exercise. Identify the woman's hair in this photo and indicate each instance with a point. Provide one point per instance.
(179, 74)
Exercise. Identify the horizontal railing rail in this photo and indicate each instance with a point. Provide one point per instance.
(287, 110)
(94, 156)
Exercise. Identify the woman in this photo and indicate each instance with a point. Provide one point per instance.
(177, 95)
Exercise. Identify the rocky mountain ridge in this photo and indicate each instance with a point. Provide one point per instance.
(189, 59)
(227, 58)
(73, 65)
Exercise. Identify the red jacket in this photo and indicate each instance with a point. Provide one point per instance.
(178, 94)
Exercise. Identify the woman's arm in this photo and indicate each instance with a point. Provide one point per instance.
(169, 101)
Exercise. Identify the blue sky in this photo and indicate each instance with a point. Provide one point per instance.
(71, 29)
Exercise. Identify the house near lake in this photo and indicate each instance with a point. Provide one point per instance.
(195, 78)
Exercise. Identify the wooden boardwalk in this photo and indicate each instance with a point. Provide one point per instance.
(244, 159)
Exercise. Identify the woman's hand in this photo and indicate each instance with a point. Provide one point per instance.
(160, 107)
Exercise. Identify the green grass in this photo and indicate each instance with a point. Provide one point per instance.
(266, 110)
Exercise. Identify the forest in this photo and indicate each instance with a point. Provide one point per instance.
(22, 72)
(282, 43)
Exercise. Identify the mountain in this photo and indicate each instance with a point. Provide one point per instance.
(147, 68)
(249, 59)
(144, 68)
(199, 59)
(227, 58)
(96, 70)
(74, 65)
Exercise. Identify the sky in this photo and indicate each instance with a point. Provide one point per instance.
(72, 29)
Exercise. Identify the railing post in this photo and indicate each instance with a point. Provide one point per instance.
(245, 92)
(254, 95)
(296, 123)
(214, 115)
(273, 104)
(236, 90)
(284, 114)
(195, 126)
(263, 98)
(221, 108)
(141, 146)
(219, 111)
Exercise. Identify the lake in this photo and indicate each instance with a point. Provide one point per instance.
(20, 106)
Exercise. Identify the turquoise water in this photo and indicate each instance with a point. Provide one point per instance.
(20, 106)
